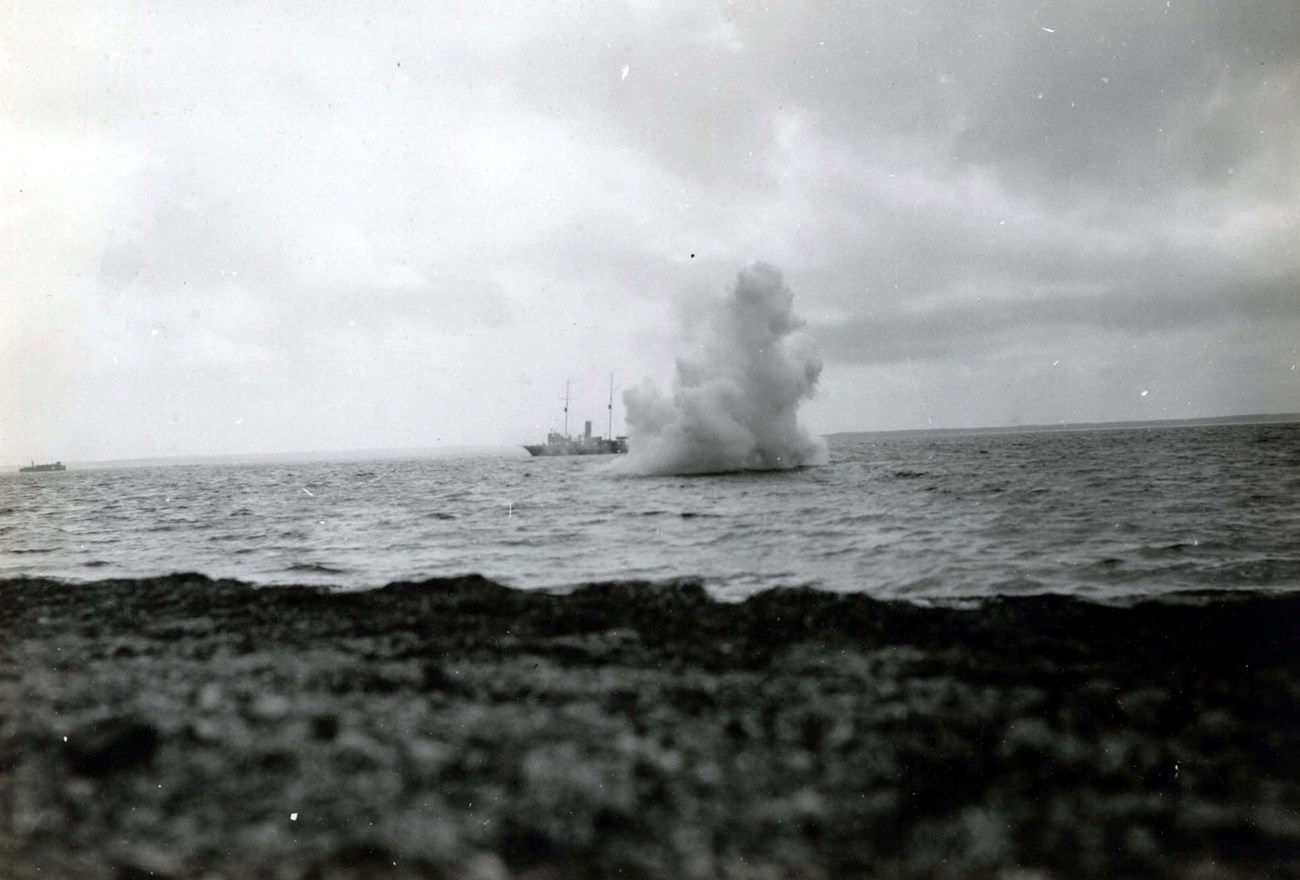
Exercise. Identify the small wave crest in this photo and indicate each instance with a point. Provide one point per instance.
(315, 568)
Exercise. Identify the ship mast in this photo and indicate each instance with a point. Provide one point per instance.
(566, 409)
(611, 406)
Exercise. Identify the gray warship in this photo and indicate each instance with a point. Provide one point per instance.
(40, 468)
(562, 444)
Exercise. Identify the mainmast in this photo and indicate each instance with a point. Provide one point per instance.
(566, 408)
(611, 407)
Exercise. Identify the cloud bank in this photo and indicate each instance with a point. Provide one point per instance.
(319, 225)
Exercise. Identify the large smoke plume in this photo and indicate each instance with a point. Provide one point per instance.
(734, 403)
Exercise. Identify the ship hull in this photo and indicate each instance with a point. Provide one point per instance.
(576, 447)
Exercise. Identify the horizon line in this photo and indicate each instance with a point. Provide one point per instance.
(181, 459)
(1048, 427)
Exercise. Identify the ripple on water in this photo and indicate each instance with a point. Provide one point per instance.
(314, 568)
(1103, 513)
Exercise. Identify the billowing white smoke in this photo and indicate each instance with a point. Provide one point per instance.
(734, 404)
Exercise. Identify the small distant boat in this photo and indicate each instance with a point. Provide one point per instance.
(562, 444)
(35, 468)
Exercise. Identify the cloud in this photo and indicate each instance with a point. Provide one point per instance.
(315, 190)
(978, 329)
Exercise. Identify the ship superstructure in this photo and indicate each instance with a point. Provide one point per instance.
(562, 444)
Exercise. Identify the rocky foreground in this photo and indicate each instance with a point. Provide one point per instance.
(179, 727)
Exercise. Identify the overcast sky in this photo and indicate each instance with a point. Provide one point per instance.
(246, 226)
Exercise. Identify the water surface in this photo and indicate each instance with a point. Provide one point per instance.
(1102, 514)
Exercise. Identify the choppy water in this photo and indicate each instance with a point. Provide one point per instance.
(1104, 514)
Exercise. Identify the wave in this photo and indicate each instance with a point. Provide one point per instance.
(800, 601)
(315, 568)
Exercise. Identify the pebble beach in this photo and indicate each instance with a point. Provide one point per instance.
(182, 727)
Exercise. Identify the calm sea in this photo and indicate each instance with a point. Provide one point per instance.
(1103, 514)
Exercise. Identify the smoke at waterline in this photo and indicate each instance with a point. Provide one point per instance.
(734, 404)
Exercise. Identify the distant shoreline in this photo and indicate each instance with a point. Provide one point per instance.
(342, 455)
(1067, 427)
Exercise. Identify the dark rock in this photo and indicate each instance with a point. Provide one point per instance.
(622, 701)
(112, 744)
(148, 863)
(324, 727)
(434, 678)
(523, 846)
(275, 761)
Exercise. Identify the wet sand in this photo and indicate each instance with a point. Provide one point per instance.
(179, 727)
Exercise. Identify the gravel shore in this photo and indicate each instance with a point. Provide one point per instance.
(180, 727)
